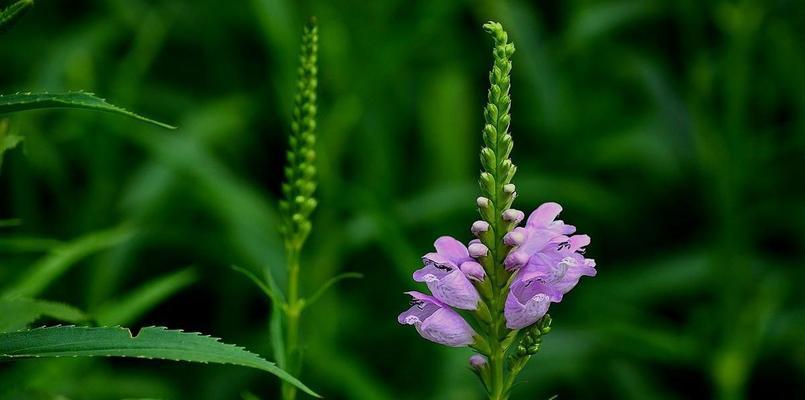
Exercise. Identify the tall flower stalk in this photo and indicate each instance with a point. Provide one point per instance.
(298, 191)
(497, 196)
(507, 277)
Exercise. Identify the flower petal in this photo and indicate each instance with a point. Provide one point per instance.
(446, 327)
(451, 248)
(525, 304)
(422, 307)
(544, 215)
(431, 272)
(456, 290)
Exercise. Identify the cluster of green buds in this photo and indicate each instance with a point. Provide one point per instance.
(300, 171)
(498, 170)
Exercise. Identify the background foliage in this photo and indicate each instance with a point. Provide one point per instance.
(673, 132)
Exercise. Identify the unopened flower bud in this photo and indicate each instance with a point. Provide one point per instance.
(516, 259)
(479, 227)
(478, 250)
(512, 215)
(514, 238)
(509, 188)
(482, 202)
(477, 362)
(473, 270)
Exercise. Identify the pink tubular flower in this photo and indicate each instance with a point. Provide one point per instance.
(436, 321)
(448, 271)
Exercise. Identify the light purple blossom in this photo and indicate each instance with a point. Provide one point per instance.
(448, 271)
(436, 321)
(551, 264)
(541, 229)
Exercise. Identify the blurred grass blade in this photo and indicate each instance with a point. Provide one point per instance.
(81, 100)
(152, 342)
(11, 14)
(5, 223)
(132, 306)
(330, 283)
(8, 141)
(25, 244)
(61, 258)
(19, 313)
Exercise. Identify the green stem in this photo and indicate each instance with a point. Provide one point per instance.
(292, 311)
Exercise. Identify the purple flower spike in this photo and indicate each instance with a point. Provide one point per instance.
(527, 302)
(479, 227)
(477, 362)
(436, 321)
(478, 250)
(473, 270)
(513, 215)
(445, 279)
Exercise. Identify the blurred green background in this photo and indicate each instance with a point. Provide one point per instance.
(672, 132)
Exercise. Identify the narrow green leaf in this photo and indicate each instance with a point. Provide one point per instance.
(277, 303)
(152, 343)
(276, 332)
(11, 14)
(19, 313)
(82, 100)
(330, 283)
(61, 258)
(132, 306)
(271, 289)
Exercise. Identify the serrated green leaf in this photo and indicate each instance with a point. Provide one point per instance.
(133, 305)
(18, 313)
(11, 14)
(61, 258)
(82, 100)
(151, 342)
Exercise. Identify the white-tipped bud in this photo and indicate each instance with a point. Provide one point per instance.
(482, 202)
(514, 238)
(515, 259)
(478, 250)
(479, 227)
(509, 188)
(477, 362)
(512, 215)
